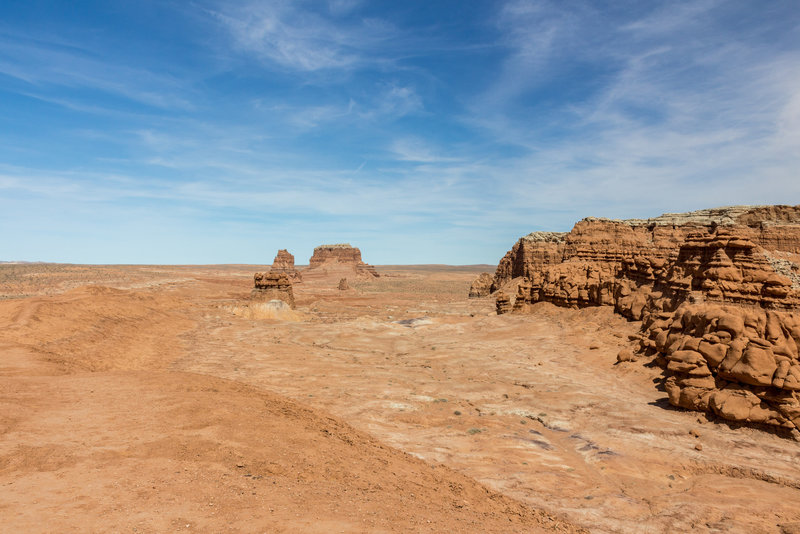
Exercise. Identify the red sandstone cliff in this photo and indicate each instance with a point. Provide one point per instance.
(775, 228)
(717, 291)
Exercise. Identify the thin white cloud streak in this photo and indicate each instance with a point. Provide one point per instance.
(390, 102)
(294, 193)
(415, 149)
(45, 65)
(282, 33)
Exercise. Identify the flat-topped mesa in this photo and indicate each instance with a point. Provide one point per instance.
(272, 286)
(284, 263)
(333, 257)
(717, 291)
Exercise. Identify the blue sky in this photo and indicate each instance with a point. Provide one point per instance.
(422, 132)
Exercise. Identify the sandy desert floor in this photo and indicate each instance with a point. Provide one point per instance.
(152, 399)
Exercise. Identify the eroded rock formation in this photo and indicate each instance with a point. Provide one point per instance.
(333, 258)
(284, 263)
(343, 285)
(502, 303)
(481, 286)
(717, 291)
(273, 286)
(606, 241)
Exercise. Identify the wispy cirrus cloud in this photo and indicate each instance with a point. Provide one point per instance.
(448, 132)
(417, 150)
(677, 100)
(286, 34)
(46, 65)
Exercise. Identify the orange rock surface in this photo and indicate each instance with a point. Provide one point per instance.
(717, 292)
(150, 403)
(332, 261)
(481, 286)
(284, 263)
(273, 286)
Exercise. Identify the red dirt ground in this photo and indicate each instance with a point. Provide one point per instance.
(153, 399)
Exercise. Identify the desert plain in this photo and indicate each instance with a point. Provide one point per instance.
(158, 399)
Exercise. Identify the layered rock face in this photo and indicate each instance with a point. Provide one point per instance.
(774, 228)
(333, 257)
(481, 286)
(717, 291)
(528, 255)
(284, 263)
(502, 303)
(273, 286)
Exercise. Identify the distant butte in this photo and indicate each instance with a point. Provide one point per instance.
(338, 261)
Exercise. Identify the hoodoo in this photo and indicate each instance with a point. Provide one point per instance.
(284, 263)
(272, 286)
(717, 291)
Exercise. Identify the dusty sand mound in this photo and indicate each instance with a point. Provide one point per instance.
(157, 452)
(273, 309)
(100, 328)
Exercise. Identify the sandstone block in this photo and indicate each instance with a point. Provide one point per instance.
(481, 286)
(273, 286)
(713, 353)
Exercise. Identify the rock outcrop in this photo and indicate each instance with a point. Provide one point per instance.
(774, 228)
(339, 258)
(738, 362)
(284, 263)
(481, 286)
(717, 291)
(273, 286)
(502, 303)
(343, 285)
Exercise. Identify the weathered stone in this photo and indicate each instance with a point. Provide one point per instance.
(284, 263)
(481, 286)
(716, 301)
(502, 303)
(273, 286)
(756, 367)
(333, 260)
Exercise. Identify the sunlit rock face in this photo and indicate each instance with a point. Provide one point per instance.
(272, 286)
(481, 286)
(717, 291)
(284, 263)
(334, 257)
